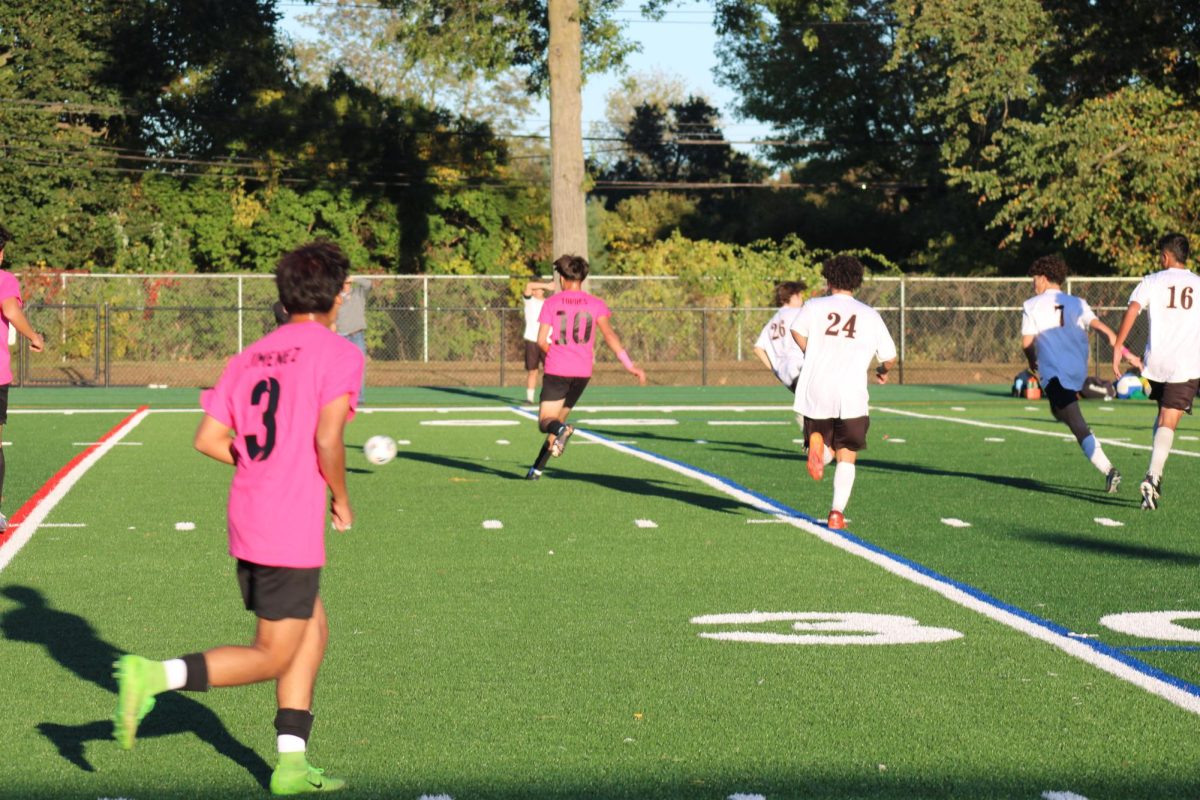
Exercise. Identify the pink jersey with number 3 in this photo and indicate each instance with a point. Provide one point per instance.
(572, 317)
(271, 394)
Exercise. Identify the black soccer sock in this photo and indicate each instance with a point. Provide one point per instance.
(294, 722)
(197, 673)
(543, 456)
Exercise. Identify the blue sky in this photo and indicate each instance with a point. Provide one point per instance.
(681, 44)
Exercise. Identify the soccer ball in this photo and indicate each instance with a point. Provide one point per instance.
(1131, 387)
(380, 449)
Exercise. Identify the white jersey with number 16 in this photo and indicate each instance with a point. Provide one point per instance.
(1171, 298)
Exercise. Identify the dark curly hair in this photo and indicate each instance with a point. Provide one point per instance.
(1176, 245)
(310, 277)
(572, 268)
(1052, 268)
(843, 272)
(786, 290)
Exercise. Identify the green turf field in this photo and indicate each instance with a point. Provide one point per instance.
(498, 638)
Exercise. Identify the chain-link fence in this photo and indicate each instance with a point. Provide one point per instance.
(178, 330)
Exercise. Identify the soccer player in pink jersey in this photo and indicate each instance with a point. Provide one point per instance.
(567, 335)
(277, 415)
(11, 313)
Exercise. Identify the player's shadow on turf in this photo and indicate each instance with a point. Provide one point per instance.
(1114, 548)
(1097, 495)
(71, 641)
(655, 488)
(459, 464)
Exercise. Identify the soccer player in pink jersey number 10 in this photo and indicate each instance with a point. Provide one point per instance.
(277, 415)
(567, 335)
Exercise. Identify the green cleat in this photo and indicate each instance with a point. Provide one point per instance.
(138, 680)
(294, 775)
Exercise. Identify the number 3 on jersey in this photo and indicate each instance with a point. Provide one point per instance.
(269, 387)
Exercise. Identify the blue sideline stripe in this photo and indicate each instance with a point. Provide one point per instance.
(1162, 648)
(1115, 653)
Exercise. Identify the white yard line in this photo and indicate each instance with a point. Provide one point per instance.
(37, 516)
(1021, 429)
(1174, 690)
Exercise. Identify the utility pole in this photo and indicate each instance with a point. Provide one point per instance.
(568, 215)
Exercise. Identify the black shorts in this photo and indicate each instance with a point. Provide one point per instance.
(840, 434)
(4, 403)
(1059, 397)
(278, 592)
(559, 387)
(533, 355)
(1175, 395)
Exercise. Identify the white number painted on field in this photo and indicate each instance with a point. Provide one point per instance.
(821, 627)
(1154, 625)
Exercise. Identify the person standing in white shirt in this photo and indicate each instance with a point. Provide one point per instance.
(533, 297)
(1172, 356)
(1054, 336)
(839, 336)
(775, 347)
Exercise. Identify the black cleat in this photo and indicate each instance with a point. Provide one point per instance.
(1112, 480)
(533, 474)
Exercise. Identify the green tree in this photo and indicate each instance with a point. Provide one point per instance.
(1075, 121)
(57, 175)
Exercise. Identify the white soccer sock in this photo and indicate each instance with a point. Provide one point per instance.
(828, 455)
(1164, 437)
(287, 743)
(1095, 454)
(529, 395)
(843, 482)
(176, 673)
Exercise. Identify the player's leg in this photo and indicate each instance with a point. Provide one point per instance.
(818, 437)
(282, 599)
(1064, 404)
(294, 718)
(3, 422)
(1174, 400)
(559, 429)
(533, 357)
(849, 436)
(554, 394)
(3, 518)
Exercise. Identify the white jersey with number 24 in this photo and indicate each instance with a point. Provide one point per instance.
(843, 336)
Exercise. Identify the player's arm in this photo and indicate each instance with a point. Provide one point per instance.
(530, 286)
(1029, 346)
(801, 341)
(215, 440)
(1127, 321)
(881, 371)
(543, 340)
(1108, 333)
(614, 342)
(331, 457)
(16, 317)
(762, 356)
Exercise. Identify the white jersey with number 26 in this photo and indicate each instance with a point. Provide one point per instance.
(1172, 300)
(776, 341)
(843, 336)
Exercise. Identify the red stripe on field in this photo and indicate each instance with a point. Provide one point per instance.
(55, 479)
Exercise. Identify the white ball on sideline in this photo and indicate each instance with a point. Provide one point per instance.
(380, 449)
